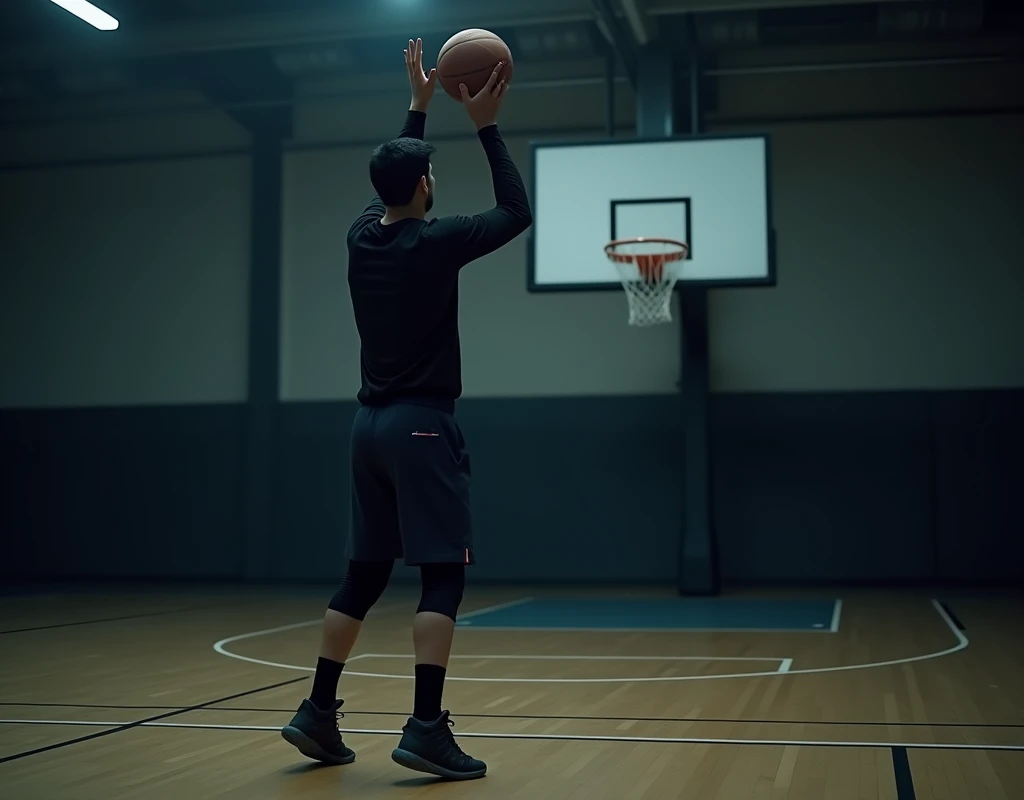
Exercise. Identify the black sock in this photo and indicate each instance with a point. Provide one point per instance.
(325, 683)
(429, 686)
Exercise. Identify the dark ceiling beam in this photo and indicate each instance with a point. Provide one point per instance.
(621, 39)
(638, 21)
(280, 29)
(675, 7)
(246, 85)
(348, 21)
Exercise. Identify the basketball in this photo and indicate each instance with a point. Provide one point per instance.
(470, 57)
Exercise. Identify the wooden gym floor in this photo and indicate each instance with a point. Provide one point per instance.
(108, 694)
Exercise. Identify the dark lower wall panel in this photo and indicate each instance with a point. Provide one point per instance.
(892, 487)
(859, 487)
(979, 484)
(823, 487)
(121, 492)
(897, 486)
(573, 489)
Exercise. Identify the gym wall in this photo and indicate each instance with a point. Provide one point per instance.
(123, 342)
(867, 416)
(867, 420)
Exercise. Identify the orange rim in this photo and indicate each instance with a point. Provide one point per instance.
(650, 265)
(625, 258)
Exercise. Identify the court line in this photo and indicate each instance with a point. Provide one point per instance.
(489, 609)
(903, 774)
(962, 643)
(785, 665)
(114, 619)
(816, 628)
(640, 629)
(554, 736)
(82, 722)
(837, 610)
(728, 720)
(952, 616)
(548, 657)
(121, 726)
(219, 646)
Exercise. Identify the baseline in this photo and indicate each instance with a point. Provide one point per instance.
(552, 736)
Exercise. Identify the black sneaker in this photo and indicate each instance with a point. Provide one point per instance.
(430, 747)
(314, 732)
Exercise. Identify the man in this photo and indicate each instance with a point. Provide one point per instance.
(410, 468)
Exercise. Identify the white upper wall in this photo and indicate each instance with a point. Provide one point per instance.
(898, 268)
(513, 343)
(899, 262)
(125, 284)
(898, 255)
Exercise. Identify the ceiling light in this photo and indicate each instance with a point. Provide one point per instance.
(87, 12)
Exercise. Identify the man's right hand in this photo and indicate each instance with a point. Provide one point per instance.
(484, 105)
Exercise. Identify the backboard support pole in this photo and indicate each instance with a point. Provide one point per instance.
(697, 569)
(609, 95)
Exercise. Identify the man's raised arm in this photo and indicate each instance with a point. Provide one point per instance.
(422, 86)
(470, 237)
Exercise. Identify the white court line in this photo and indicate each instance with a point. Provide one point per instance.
(557, 736)
(837, 611)
(817, 628)
(962, 643)
(219, 646)
(641, 629)
(489, 609)
(82, 722)
(785, 664)
(485, 657)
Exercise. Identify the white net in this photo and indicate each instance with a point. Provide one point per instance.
(648, 271)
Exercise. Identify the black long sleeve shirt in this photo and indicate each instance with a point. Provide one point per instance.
(404, 283)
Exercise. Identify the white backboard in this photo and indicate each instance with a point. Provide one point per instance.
(710, 192)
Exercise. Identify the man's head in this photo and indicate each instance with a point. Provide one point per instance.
(400, 172)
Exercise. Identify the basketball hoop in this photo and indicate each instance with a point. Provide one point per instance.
(648, 269)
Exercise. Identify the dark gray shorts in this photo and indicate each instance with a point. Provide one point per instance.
(410, 487)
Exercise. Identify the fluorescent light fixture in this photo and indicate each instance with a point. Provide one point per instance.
(87, 12)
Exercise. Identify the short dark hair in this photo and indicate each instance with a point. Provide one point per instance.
(396, 168)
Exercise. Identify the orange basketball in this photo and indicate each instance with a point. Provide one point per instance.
(470, 57)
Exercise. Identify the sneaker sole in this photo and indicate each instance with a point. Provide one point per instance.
(310, 749)
(415, 762)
